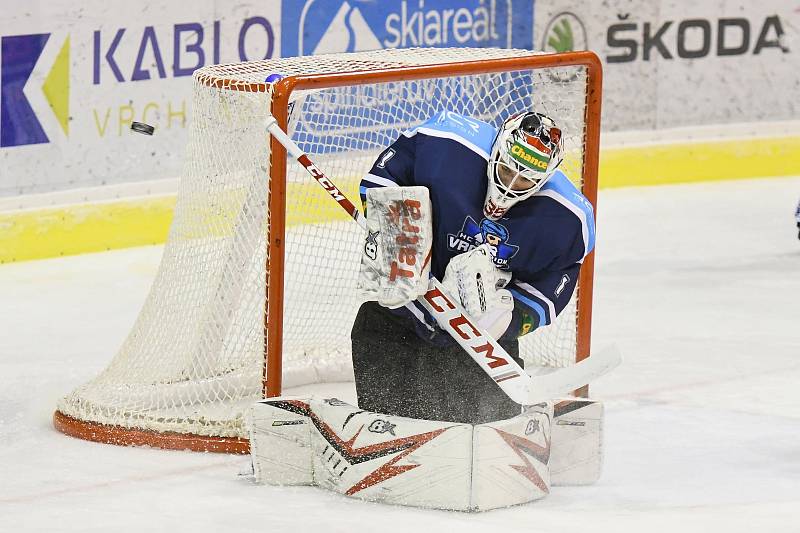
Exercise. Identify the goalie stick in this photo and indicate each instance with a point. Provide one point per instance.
(517, 384)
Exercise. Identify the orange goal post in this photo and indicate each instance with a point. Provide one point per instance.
(256, 289)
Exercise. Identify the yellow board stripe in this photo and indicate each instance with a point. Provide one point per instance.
(83, 228)
(76, 229)
(705, 161)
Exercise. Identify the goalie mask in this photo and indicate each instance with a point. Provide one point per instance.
(526, 152)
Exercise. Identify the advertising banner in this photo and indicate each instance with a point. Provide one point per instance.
(326, 26)
(314, 27)
(73, 76)
(679, 63)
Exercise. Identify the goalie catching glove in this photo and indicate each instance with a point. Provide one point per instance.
(395, 263)
(478, 284)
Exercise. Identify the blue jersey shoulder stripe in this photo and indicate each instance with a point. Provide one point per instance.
(379, 180)
(560, 189)
(371, 181)
(475, 134)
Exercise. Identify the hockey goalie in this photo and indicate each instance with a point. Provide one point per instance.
(487, 211)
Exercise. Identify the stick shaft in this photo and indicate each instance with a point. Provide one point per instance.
(320, 177)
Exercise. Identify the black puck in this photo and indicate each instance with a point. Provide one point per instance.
(141, 127)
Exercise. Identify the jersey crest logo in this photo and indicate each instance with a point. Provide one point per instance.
(474, 234)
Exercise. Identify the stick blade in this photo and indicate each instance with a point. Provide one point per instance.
(563, 380)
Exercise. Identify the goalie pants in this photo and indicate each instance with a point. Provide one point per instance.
(398, 373)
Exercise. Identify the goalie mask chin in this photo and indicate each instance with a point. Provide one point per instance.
(526, 152)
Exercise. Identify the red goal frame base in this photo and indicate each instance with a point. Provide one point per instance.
(120, 436)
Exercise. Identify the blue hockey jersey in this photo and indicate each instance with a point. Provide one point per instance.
(542, 240)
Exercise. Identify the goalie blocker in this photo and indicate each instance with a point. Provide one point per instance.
(395, 263)
(424, 463)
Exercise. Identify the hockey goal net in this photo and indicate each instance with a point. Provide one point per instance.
(256, 288)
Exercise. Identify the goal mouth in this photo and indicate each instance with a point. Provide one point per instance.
(170, 440)
(256, 290)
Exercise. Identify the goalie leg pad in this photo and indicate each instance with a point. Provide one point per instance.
(511, 458)
(280, 442)
(400, 460)
(397, 460)
(361, 454)
(577, 457)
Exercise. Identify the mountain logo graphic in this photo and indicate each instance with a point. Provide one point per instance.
(19, 58)
(325, 30)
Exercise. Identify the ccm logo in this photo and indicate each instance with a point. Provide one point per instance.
(465, 329)
(321, 178)
(330, 187)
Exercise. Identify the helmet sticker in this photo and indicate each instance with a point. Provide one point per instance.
(536, 143)
(529, 158)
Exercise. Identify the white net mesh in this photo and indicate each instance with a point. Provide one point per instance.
(194, 359)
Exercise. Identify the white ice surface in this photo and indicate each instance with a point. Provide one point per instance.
(699, 285)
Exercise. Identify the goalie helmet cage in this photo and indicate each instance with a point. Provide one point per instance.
(256, 287)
